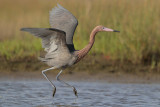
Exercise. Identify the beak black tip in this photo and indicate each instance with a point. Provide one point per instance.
(116, 31)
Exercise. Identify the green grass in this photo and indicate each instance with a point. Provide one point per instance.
(13, 49)
(138, 21)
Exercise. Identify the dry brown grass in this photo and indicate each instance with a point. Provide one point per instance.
(138, 21)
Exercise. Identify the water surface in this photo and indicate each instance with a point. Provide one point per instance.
(91, 94)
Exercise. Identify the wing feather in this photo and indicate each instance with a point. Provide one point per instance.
(61, 18)
(53, 40)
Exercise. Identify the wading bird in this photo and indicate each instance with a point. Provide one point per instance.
(58, 42)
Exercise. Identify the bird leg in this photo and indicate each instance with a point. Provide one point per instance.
(74, 89)
(43, 72)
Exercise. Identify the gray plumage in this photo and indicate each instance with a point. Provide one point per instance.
(54, 43)
(61, 18)
(58, 40)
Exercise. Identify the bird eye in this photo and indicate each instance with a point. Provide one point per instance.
(103, 27)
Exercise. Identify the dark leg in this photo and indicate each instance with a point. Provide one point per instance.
(74, 89)
(43, 72)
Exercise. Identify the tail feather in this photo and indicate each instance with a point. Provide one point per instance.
(42, 59)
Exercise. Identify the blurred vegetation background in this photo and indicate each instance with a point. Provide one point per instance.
(138, 20)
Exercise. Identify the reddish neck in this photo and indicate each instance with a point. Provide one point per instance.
(91, 40)
(83, 52)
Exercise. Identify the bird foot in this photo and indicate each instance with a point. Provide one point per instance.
(54, 91)
(75, 92)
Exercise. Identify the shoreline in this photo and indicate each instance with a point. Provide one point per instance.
(147, 78)
(93, 68)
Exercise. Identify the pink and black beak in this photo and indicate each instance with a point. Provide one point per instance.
(109, 30)
(116, 31)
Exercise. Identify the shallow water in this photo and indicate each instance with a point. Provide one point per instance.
(90, 94)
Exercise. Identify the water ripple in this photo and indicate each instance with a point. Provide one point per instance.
(39, 94)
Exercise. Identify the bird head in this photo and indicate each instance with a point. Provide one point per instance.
(102, 28)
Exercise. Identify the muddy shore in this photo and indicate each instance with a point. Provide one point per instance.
(92, 68)
(146, 78)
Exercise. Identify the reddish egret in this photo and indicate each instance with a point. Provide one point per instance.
(58, 42)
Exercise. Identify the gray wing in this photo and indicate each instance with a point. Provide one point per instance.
(61, 18)
(53, 40)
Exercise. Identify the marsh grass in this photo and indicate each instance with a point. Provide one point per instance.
(138, 21)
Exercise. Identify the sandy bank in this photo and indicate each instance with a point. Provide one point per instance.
(84, 76)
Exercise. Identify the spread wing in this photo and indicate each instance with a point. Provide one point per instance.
(61, 18)
(53, 40)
